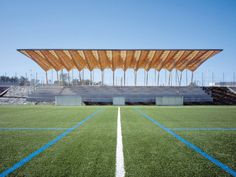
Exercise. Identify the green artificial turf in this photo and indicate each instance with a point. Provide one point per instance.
(90, 150)
(86, 151)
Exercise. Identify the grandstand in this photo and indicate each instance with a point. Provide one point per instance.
(158, 59)
(132, 95)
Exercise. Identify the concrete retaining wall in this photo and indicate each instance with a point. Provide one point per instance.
(68, 100)
(119, 101)
(170, 101)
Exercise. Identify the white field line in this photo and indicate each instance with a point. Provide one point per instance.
(120, 171)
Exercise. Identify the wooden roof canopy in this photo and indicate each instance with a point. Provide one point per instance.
(158, 59)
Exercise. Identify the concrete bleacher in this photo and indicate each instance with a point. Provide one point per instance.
(222, 95)
(104, 94)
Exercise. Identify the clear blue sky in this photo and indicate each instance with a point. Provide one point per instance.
(118, 24)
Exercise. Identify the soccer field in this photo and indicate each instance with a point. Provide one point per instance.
(81, 141)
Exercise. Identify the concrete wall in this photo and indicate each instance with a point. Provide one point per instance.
(170, 101)
(119, 101)
(68, 100)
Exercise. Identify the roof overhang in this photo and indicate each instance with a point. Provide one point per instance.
(158, 59)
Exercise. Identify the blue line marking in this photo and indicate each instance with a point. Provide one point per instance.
(44, 147)
(26, 128)
(199, 129)
(192, 146)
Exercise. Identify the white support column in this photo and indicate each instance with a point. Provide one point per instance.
(180, 78)
(102, 76)
(135, 77)
(165, 77)
(72, 76)
(124, 77)
(144, 78)
(186, 72)
(68, 75)
(192, 77)
(91, 78)
(57, 77)
(61, 77)
(46, 75)
(176, 77)
(80, 79)
(147, 78)
(113, 77)
(155, 82)
(158, 78)
(169, 80)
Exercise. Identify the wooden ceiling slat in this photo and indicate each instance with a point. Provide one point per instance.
(182, 59)
(150, 57)
(116, 59)
(162, 59)
(109, 56)
(129, 58)
(142, 60)
(123, 59)
(202, 59)
(71, 58)
(63, 63)
(198, 57)
(52, 63)
(89, 58)
(39, 62)
(188, 60)
(52, 58)
(67, 60)
(176, 59)
(105, 63)
(169, 59)
(156, 59)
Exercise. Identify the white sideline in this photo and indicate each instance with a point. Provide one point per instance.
(120, 171)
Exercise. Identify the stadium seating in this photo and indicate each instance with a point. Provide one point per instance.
(221, 95)
(133, 95)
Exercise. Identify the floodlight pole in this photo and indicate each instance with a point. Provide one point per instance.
(234, 78)
(212, 78)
